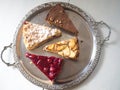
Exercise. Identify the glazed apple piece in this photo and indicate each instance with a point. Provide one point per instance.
(50, 66)
(65, 48)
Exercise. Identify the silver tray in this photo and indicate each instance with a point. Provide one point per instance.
(73, 72)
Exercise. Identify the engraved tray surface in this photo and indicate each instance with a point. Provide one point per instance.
(73, 72)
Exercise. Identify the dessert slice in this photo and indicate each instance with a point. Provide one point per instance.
(50, 66)
(58, 17)
(34, 35)
(67, 49)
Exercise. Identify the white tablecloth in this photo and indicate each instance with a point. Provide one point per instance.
(106, 75)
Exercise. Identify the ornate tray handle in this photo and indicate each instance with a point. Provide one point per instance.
(2, 52)
(103, 24)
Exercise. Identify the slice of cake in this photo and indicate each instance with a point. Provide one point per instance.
(34, 35)
(50, 66)
(58, 17)
(67, 48)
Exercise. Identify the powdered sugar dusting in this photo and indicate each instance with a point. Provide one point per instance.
(34, 34)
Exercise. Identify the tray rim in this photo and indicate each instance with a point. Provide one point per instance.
(90, 67)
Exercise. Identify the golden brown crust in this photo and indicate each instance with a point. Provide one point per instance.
(34, 35)
(67, 49)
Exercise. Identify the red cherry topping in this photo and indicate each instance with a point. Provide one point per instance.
(51, 75)
(52, 69)
(50, 66)
(45, 69)
(25, 22)
(49, 60)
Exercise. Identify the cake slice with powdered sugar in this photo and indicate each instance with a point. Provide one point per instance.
(34, 34)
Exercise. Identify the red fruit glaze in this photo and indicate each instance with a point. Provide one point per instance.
(25, 22)
(50, 66)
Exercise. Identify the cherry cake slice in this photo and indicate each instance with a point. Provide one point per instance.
(50, 66)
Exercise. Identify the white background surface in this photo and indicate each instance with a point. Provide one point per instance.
(106, 76)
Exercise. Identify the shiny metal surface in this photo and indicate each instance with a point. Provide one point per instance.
(73, 72)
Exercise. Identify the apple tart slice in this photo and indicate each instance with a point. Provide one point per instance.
(67, 48)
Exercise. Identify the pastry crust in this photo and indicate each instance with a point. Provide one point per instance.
(67, 49)
(34, 35)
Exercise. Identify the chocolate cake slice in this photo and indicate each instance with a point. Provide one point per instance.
(58, 17)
